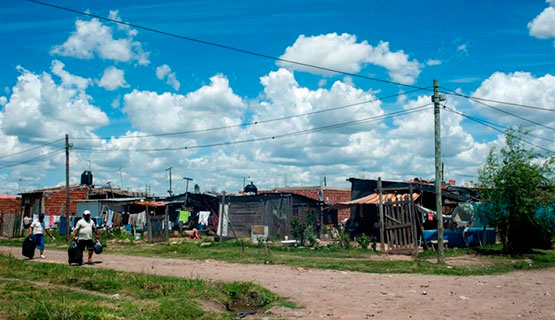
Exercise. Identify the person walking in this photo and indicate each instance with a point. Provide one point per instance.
(37, 230)
(84, 233)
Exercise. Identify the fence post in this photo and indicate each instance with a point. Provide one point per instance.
(380, 208)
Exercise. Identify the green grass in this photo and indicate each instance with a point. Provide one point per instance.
(490, 259)
(53, 291)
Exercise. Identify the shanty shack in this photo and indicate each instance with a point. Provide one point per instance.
(273, 210)
(364, 214)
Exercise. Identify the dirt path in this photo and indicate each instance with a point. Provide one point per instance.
(330, 294)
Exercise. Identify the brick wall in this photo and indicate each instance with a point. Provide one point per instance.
(10, 204)
(54, 202)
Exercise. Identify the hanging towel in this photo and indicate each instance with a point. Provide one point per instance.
(141, 217)
(51, 221)
(109, 219)
(46, 221)
(203, 217)
(184, 215)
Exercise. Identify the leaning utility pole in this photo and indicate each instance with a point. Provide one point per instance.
(170, 170)
(67, 188)
(436, 99)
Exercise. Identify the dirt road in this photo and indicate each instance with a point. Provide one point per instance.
(327, 294)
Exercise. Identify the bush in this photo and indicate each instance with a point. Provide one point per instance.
(363, 241)
(517, 186)
(303, 231)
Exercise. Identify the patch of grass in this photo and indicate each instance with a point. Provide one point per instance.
(53, 291)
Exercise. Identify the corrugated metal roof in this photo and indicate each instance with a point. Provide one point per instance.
(374, 198)
(110, 200)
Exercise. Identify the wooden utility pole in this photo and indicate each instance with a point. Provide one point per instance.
(436, 99)
(67, 188)
(170, 170)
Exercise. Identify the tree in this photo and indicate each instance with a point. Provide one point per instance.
(517, 186)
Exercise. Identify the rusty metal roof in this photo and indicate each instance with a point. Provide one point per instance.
(374, 198)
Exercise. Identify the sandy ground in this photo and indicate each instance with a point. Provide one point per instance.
(327, 294)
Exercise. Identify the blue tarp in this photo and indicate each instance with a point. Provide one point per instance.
(62, 229)
(456, 239)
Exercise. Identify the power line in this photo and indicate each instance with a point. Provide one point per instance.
(451, 92)
(30, 149)
(290, 134)
(33, 159)
(493, 127)
(223, 46)
(500, 126)
(249, 123)
(497, 125)
(501, 110)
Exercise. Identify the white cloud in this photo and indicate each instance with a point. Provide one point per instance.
(543, 25)
(3, 101)
(39, 107)
(463, 49)
(398, 150)
(520, 88)
(343, 52)
(116, 102)
(113, 78)
(164, 72)
(212, 105)
(69, 79)
(397, 63)
(433, 62)
(92, 38)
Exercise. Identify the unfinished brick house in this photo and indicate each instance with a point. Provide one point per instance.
(10, 204)
(51, 201)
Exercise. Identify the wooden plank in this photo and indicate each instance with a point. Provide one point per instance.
(396, 231)
(393, 219)
(412, 222)
(390, 242)
(380, 209)
(399, 212)
(404, 218)
(402, 230)
(395, 189)
(398, 226)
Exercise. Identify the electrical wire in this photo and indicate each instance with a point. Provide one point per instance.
(500, 126)
(500, 110)
(33, 159)
(30, 149)
(484, 123)
(248, 123)
(451, 92)
(290, 134)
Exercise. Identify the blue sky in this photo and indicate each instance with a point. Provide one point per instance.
(496, 49)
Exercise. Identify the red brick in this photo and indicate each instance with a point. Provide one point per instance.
(10, 204)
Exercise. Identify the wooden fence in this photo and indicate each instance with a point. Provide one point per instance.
(397, 223)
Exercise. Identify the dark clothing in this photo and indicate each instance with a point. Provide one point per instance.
(86, 244)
